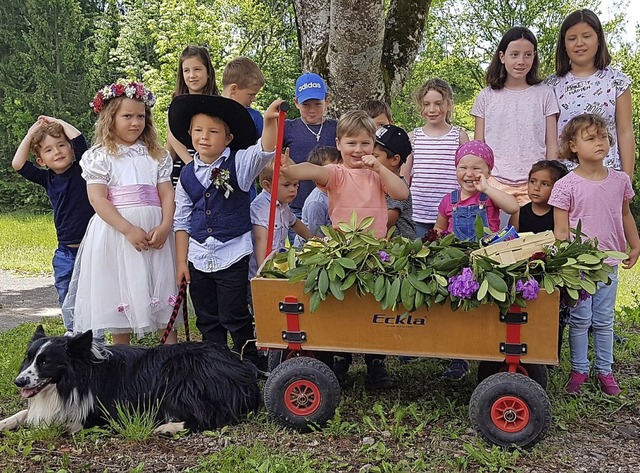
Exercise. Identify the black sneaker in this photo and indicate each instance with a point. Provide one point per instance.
(456, 370)
(341, 366)
(377, 376)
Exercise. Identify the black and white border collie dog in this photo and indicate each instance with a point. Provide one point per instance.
(71, 381)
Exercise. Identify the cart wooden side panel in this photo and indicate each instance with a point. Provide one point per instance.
(359, 325)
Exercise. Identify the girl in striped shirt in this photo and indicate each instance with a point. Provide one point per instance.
(430, 170)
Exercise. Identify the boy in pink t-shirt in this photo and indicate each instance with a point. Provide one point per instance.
(357, 185)
(458, 210)
(360, 183)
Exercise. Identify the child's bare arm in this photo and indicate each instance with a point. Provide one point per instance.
(260, 235)
(394, 215)
(22, 153)
(178, 149)
(514, 221)
(442, 223)
(182, 262)
(631, 235)
(560, 223)
(106, 211)
(551, 136)
(270, 129)
(302, 230)
(501, 199)
(159, 234)
(396, 188)
(290, 170)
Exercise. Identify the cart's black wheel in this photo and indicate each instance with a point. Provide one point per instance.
(510, 409)
(277, 356)
(300, 391)
(538, 373)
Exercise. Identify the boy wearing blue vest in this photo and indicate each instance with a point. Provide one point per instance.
(212, 220)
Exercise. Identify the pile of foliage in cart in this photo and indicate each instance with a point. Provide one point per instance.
(415, 273)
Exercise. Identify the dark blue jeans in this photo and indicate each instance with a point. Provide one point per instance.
(63, 261)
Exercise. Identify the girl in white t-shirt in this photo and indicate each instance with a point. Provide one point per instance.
(584, 83)
(430, 170)
(516, 114)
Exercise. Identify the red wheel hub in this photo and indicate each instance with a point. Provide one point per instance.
(302, 397)
(510, 414)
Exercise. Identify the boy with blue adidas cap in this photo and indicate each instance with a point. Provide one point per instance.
(311, 130)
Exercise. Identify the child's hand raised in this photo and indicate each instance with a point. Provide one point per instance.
(285, 163)
(371, 162)
(273, 110)
(480, 183)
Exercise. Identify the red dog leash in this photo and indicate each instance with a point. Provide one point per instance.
(181, 300)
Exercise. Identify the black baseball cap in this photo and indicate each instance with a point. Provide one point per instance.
(395, 139)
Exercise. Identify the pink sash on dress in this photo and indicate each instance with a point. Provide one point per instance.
(135, 195)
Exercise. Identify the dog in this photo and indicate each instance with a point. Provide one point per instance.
(76, 383)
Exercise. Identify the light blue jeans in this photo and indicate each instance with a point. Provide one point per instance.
(63, 261)
(597, 312)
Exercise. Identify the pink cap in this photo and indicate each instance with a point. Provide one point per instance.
(476, 148)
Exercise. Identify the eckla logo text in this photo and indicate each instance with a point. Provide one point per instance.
(399, 319)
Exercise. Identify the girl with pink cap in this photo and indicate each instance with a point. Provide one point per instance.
(458, 209)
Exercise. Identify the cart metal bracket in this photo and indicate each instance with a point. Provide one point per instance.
(294, 337)
(291, 307)
(514, 318)
(513, 348)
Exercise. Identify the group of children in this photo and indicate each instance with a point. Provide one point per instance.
(129, 265)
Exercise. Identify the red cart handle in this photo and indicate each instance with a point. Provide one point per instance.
(283, 109)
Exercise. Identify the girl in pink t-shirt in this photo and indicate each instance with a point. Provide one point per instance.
(458, 209)
(516, 113)
(598, 197)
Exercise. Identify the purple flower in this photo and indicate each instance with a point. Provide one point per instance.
(529, 289)
(583, 295)
(122, 307)
(172, 300)
(154, 302)
(464, 285)
(384, 256)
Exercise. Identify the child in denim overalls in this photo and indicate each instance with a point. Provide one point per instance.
(458, 210)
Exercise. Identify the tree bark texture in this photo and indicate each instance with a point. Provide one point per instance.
(362, 50)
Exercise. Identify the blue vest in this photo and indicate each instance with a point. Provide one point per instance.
(214, 215)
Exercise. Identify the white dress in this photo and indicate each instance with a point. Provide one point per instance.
(114, 287)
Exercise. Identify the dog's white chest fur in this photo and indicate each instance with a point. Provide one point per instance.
(49, 408)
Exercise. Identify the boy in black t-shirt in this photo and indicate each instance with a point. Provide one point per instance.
(55, 144)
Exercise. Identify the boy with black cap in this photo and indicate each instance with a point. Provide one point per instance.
(212, 220)
(392, 149)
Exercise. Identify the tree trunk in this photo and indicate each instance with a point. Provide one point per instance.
(361, 51)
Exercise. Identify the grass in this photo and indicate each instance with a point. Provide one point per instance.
(27, 243)
(422, 424)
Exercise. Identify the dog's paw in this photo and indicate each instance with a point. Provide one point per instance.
(13, 422)
(170, 428)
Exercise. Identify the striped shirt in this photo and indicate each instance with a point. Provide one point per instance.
(434, 173)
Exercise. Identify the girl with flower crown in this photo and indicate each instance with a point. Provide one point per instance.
(123, 280)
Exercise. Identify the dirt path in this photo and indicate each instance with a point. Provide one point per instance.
(26, 299)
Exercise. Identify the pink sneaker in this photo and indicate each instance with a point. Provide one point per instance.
(576, 380)
(608, 384)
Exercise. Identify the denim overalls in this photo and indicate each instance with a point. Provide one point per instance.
(464, 218)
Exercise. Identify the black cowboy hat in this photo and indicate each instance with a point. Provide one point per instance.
(184, 107)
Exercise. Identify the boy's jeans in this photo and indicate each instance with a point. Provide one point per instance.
(63, 261)
(597, 311)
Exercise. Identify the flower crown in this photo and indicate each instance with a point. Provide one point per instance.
(132, 90)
